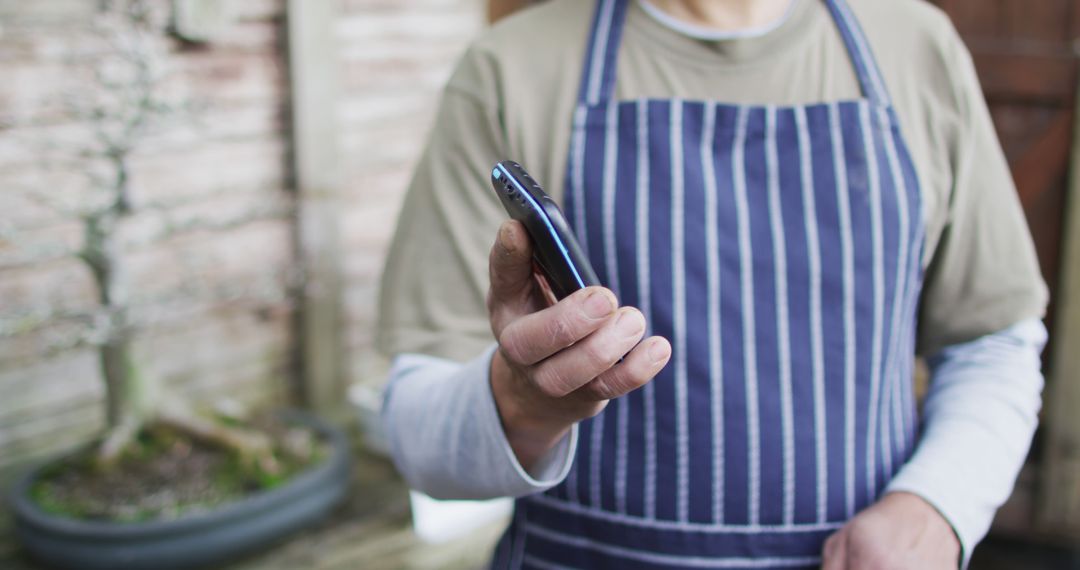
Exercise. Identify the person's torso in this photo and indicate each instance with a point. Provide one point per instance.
(778, 247)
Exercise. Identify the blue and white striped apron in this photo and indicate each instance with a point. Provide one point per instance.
(778, 249)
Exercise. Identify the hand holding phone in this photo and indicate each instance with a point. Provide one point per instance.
(557, 363)
(555, 249)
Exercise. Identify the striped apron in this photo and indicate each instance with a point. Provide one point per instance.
(778, 248)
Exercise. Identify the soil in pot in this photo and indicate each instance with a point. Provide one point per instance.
(166, 474)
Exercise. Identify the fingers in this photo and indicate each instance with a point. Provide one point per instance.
(576, 366)
(586, 323)
(545, 288)
(536, 336)
(510, 265)
(834, 553)
(644, 362)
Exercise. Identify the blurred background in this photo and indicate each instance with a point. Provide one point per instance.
(202, 192)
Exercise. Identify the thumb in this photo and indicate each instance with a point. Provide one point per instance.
(834, 553)
(510, 264)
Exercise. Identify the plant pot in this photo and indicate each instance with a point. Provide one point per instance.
(189, 541)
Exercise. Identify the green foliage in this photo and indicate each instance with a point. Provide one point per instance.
(162, 474)
(43, 495)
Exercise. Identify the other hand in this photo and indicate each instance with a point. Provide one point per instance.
(899, 532)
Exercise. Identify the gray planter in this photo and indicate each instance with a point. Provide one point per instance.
(192, 541)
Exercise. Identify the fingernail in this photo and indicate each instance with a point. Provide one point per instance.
(629, 323)
(598, 305)
(504, 238)
(659, 351)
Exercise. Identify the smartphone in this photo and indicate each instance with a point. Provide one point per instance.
(555, 249)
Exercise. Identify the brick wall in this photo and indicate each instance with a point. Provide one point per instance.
(207, 250)
(396, 56)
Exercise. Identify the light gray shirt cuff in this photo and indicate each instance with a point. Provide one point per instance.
(978, 420)
(446, 436)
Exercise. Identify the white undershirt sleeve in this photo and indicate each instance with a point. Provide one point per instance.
(977, 423)
(446, 436)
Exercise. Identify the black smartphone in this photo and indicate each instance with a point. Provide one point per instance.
(555, 249)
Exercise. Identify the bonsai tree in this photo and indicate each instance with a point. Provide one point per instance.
(166, 484)
(122, 98)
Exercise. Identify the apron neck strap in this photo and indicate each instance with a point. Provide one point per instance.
(598, 75)
(866, 68)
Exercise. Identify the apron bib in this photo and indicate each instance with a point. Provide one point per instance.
(778, 248)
